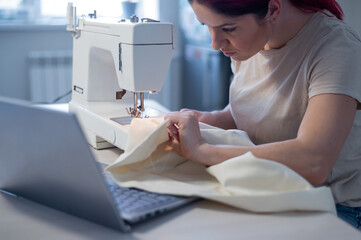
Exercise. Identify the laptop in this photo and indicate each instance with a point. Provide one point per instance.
(44, 157)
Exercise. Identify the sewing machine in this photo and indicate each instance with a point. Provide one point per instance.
(116, 61)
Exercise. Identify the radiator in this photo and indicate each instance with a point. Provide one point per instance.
(50, 75)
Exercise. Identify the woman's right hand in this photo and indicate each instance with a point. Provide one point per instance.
(184, 134)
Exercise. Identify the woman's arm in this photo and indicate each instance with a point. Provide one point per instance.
(220, 118)
(312, 154)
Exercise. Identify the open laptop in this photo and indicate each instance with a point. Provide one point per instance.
(44, 157)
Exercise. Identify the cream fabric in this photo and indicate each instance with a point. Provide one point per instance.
(245, 182)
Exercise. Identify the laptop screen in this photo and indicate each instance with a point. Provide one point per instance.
(45, 158)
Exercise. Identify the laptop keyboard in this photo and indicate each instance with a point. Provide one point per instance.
(135, 204)
(130, 200)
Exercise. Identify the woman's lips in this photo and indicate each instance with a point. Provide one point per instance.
(228, 54)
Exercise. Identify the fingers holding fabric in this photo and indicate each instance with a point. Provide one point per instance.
(184, 133)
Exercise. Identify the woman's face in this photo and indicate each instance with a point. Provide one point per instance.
(237, 37)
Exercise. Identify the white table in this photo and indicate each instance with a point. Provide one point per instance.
(22, 219)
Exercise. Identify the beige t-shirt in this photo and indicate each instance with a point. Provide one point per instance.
(271, 90)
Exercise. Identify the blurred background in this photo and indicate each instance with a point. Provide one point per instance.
(36, 51)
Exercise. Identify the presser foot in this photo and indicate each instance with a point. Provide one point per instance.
(128, 119)
(136, 112)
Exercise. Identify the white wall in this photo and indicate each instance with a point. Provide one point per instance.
(352, 9)
(16, 42)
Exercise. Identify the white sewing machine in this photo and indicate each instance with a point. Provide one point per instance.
(115, 61)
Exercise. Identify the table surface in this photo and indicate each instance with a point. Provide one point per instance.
(23, 219)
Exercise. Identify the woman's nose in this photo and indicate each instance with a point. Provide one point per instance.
(217, 39)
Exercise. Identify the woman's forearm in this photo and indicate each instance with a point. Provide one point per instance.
(220, 118)
(291, 153)
(321, 136)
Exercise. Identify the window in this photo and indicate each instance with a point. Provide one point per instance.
(109, 8)
(38, 11)
(13, 9)
(9, 4)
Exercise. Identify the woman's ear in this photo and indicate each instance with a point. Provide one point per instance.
(274, 10)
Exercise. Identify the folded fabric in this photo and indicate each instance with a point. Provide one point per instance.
(245, 182)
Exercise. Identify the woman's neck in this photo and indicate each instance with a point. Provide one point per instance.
(287, 26)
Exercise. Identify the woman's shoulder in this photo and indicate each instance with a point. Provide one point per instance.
(331, 31)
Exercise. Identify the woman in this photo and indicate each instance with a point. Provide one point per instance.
(296, 92)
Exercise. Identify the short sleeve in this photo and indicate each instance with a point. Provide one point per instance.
(336, 66)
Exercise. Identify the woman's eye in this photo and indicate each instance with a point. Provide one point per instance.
(228, 30)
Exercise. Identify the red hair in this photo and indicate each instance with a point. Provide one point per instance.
(260, 7)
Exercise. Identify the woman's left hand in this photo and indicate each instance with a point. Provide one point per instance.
(184, 133)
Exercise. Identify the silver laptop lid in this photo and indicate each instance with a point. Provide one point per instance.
(44, 157)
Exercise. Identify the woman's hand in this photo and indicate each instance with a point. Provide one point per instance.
(312, 154)
(184, 133)
(204, 117)
(222, 119)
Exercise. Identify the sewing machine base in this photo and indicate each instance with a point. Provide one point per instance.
(106, 124)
